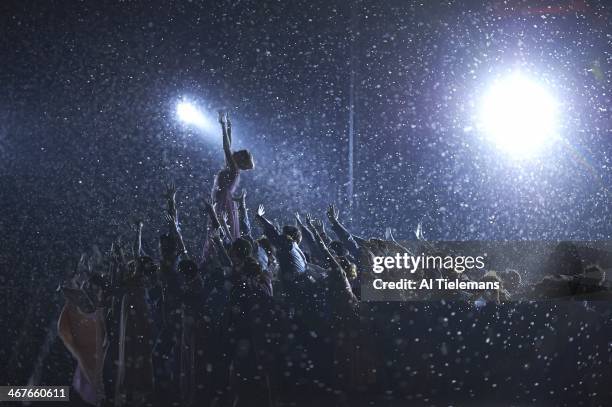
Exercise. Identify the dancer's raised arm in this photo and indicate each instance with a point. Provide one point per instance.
(226, 129)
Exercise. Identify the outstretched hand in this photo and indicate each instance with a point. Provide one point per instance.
(419, 231)
(82, 264)
(308, 220)
(224, 120)
(332, 213)
(261, 211)
(389, 234)
(212, 214)
(170, 219)
(319, 226)
(170, 193)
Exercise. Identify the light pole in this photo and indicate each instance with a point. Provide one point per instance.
(350, 192)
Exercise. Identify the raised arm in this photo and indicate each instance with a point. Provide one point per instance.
(320, 228)
(243, 214)
(215, 234)
(172, 218)
(337, 274)
(138, 252)
(176, 232)
(308, 236)
(225, 227)
(352, 243)
(221, 251)
(217, 224)
(269, 229)
(117, 253)
(329, 258)
(116, 270)
(170, 195)
(212, 215)
(389, 237)
(226, 129)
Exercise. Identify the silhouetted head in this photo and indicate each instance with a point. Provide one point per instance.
(240, 250)
(264, 242)
(188, 268)
(337, 247)
(293, 233)
(244, 159)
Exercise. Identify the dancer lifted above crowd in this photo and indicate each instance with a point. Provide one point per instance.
(252, 321)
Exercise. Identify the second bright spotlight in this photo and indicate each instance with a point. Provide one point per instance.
(518, 115)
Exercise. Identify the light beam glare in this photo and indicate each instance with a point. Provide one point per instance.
(519, 116)
(189, 114)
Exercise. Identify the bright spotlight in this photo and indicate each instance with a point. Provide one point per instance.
(188, 113)
(518, 115)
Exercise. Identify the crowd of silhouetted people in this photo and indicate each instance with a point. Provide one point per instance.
(252, 320)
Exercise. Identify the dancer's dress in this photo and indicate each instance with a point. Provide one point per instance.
(224, 187)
